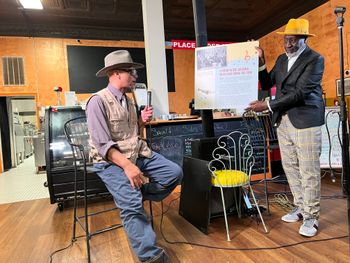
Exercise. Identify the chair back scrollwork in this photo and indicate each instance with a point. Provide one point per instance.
(232, 161)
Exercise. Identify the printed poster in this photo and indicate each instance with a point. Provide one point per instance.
(226, 76)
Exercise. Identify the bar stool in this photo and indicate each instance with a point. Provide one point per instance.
(77, 134)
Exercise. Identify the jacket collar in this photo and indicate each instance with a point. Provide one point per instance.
(299, 61)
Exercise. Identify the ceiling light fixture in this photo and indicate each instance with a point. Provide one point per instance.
(31, 4)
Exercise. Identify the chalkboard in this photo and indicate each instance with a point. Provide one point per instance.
(85, 61)
(173, 139)
(332, 120)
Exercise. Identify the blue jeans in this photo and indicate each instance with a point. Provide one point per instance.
(164, 176)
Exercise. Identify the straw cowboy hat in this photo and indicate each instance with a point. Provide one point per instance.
(298, 27)
(119, 59)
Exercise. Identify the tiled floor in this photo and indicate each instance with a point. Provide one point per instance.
(22, 183)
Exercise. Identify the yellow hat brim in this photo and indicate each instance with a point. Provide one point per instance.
(294, 34)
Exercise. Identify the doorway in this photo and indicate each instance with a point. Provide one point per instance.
(19, 122)
(20, 179)
(5, 136)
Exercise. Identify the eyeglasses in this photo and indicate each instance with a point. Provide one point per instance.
(132, 72)
(291, 40)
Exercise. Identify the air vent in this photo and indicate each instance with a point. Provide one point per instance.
(346, 87)
(12, 70)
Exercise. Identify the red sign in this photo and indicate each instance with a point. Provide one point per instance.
(191, 44)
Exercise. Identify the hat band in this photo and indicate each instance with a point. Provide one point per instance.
(296, 31)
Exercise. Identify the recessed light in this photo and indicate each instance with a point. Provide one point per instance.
(31, 4)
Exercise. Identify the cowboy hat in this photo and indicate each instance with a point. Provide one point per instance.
(298, 27)
(119, 59)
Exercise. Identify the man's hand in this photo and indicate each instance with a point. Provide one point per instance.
(146, 114)
(135, 176)
(261, 56)
(257, 106)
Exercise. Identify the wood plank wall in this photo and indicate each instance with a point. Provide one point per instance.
(46, 65)
(46, 59)
(322, 23)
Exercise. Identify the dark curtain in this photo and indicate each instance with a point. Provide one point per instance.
(5, 135)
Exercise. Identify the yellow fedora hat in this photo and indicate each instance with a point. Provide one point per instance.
(297, 27)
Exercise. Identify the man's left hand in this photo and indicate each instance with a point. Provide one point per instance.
(257, 106)
(146, 114)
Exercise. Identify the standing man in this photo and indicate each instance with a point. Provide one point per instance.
(130, 170)
(298, 110)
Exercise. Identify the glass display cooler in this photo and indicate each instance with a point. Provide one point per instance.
(59, 158)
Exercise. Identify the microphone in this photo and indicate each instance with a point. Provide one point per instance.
(140, 86)
(149, 98)
(339, 10)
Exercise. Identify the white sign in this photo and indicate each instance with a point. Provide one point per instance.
(226, 76)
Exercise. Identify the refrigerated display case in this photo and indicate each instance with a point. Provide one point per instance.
(59, 158)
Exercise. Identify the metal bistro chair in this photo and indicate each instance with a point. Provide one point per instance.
(231, 167)
(77, 134)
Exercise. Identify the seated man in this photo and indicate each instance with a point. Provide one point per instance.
(131, 171)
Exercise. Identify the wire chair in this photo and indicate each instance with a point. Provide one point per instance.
(231, 167)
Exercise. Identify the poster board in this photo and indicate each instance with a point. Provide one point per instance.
(226, 76)
(331, 143)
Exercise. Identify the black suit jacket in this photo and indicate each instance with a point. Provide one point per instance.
(299, 91)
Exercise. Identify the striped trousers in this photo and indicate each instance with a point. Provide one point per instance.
(300, 152)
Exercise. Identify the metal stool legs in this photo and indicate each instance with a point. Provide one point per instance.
(86, 215)
(87, 233)
(151, 212)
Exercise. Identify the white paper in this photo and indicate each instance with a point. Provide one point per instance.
(70, 98)
(226, 76)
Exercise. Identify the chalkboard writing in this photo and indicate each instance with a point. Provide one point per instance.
(173, 139)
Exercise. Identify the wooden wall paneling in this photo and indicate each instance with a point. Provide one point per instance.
(45, 62)
(326, 42)
(45, 59)
(19, 47)
(51, 69)
(184, 81)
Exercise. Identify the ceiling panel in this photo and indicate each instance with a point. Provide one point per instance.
(227, 20)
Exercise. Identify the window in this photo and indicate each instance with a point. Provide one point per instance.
(12, 70)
